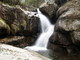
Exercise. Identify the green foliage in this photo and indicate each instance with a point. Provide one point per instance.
(34, 3)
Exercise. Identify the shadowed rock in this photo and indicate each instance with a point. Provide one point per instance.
(15, 21)
(18, 41)
(67, 28)
(49, 10)
(61, 2)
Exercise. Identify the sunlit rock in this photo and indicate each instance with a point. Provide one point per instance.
(8, 52)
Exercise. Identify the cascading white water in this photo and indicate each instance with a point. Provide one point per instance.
(47, 31)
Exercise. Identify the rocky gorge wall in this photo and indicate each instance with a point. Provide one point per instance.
(23, 29)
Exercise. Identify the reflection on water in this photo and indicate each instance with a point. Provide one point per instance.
(59, 56)
(64, 56)
(47, 53)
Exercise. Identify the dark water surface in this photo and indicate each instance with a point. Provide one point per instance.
(60, 55)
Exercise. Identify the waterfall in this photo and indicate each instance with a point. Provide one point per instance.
(47, 31)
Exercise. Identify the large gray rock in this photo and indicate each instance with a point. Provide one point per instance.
(8, 52)
(14, 21)
(67, 28)
(49, 9)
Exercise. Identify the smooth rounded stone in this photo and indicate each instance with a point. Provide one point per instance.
(49, 9)
(8, 52)
(67, 28)
(69, 18)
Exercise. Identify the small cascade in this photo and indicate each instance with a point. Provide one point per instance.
(47, 31)
(44, 24)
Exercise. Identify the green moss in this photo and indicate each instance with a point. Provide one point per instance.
(15, 28)
(4, 25)
(23, 23)
(0, 2)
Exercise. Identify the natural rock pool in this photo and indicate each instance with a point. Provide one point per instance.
(60, 55)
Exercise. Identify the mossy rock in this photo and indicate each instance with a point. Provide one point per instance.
(4, 25)
(11, 2)
(24, 24)
(14, 28)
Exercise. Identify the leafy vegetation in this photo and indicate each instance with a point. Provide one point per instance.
(34, 3)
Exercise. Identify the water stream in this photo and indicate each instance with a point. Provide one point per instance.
(46, 32)
(40, 45)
